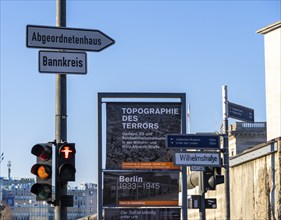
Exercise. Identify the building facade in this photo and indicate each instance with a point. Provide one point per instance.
(243, 135)
(255, 169)
(272, 52)
(18, 203)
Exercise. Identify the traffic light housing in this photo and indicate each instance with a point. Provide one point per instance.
(66, 162)
(212, 177)
(43, 171)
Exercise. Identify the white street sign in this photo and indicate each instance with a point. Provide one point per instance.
(62, 62)
(197, 168)
(66, 38)
(195, 158)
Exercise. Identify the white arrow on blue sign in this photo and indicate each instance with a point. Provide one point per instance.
(240, 112)
(192, 141)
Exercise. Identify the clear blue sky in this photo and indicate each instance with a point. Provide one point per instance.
(192, 47)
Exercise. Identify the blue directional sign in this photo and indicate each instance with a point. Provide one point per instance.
(240, 112)
(192, 141)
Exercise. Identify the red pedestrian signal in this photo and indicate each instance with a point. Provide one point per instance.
(66, 162)
(67, 151)
(43, 171)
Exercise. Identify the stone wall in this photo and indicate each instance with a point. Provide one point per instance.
(255, 191)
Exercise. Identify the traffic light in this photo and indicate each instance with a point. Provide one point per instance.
(66, 162)
(212, 177)
(43, 170)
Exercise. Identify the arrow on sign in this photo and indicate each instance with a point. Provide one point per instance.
(240, 112)
(66, 38)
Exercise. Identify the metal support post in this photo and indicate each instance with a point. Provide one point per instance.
(226, 150)
(184, 170)
(202, 211)
(184, 193)
(99, 199)
(61, 116)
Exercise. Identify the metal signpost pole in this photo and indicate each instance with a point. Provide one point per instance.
(184, 170)
(61, 115)
(62, 200)
(195, 141)
(226, 150)
(100, 153)
(202, 211)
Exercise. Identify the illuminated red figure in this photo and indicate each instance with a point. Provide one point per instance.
(67, 152)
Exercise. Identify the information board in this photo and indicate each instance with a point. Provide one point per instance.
(136, 135)
(141, 189)
(143, 214)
